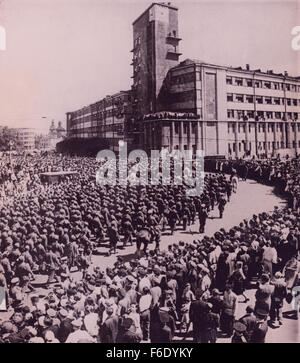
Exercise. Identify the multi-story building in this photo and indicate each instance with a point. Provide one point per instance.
(193, 105)
(106, 118)
(241, 112)
(26, 137)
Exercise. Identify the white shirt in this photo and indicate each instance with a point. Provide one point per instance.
(145, 302)
(79, 335)
(270, 254)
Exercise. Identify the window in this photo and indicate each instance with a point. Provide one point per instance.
(239, 98)
(289, 115)
(259, 99)
(276, 85)
(278, 115)
(228, 80)
(295, 102)
(288, 101)
(257, 84)
(250, 114)
(287, 87)
(276, 101)
(295, 116)
(267, 85)
(238, 82)
(269, 114)
(176, 128)
(268, 100)
(229, 97)
(249, 99)
(230, 113)
(240, 114)
(249, 83)
(260, 114)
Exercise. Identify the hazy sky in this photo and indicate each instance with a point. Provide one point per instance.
(64, 54)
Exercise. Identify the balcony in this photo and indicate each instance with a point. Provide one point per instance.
(174, 52)
(173, 37)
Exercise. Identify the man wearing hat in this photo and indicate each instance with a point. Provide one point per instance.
(66, 327)
(79, 333)
(277, 298)
(128, 335)
(264, 293)
(203, 215)
(249, 320)
(261, 328)
(110, 327)
(239, 330)
(199, 317)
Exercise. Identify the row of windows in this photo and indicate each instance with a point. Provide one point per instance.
(243, 114)
(233, 97)
(262, 145)
(102, 105)
(261, 127)
(247, 82)
(116, 112)
(103, 128)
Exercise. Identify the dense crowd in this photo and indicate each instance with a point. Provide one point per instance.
(282, 174)
(55, 228)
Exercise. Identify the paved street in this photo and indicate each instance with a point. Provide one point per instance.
(251, 198)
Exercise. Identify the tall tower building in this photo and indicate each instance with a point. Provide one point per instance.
(155, 51)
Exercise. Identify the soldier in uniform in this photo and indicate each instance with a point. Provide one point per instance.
(203, 215)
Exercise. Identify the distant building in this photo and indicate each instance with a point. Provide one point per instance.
(26, 137)
(56, 132)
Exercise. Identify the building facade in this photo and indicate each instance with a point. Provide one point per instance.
(241, 112)
(107, 118)
(233, 112)
(26, 138)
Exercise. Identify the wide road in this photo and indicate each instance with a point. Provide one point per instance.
(251, 198)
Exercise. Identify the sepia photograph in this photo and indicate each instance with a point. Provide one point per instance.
(149, 174)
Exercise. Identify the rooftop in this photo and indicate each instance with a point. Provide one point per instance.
(167, 5)
(247, 69)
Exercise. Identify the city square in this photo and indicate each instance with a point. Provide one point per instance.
(166, 212)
